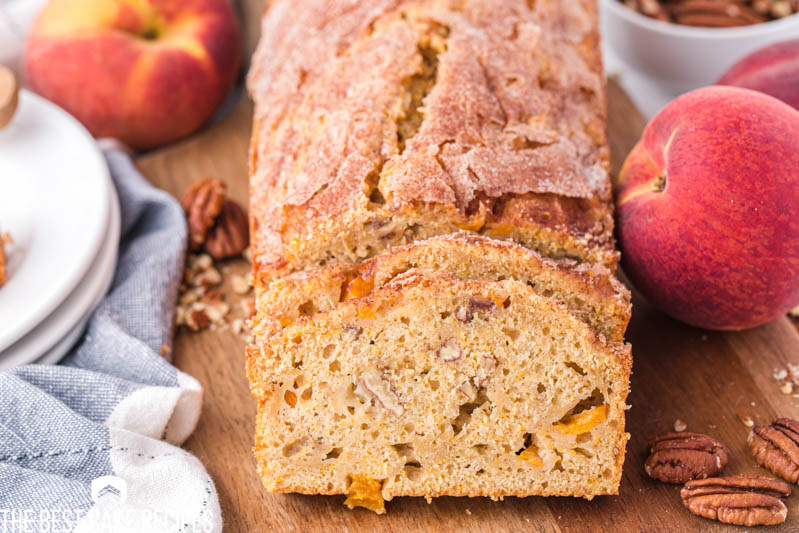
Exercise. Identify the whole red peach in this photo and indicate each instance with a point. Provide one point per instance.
(147, 72)
(708, 209)
(773, 70)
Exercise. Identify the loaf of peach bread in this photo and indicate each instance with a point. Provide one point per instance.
(433, 254)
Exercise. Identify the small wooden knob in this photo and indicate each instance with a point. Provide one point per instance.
(9, 96)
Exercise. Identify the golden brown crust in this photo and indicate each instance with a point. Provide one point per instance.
(485, 116)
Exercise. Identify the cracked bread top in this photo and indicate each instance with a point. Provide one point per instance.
(435, 115)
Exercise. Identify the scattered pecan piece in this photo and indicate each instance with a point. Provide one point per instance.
(746, 420)
(776, 447)
(683, 456)
(739, 500)
(231, 235)
(202, 203)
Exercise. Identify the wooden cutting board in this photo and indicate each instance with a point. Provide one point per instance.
(703, 378)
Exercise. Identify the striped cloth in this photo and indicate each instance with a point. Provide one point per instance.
(92, 445)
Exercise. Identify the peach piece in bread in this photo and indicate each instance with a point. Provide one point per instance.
(707, 206)
(147, 72)
(773, 70)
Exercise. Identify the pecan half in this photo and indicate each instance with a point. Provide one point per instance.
(231, 234)
(202, 203)
(776, 447)
(739, 500)
(680, 457)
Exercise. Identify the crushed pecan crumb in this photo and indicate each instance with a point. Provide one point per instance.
(202, 304)
(746, 420)
(240, 284)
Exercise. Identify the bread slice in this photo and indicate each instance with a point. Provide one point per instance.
(590, 291)
(431, 385)
(382, 123)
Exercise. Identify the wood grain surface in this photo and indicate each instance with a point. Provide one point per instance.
(703, 378)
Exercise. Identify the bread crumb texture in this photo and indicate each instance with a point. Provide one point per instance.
(522, 399)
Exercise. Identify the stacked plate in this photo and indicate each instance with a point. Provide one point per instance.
(60, 207)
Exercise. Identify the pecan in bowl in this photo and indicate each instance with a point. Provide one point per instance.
(714, 13)
(776, 447)
(682, 456)
(739, 500)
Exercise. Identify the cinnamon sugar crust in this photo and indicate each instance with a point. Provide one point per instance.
(384, 122)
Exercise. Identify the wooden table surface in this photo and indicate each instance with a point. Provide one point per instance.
(703, 378)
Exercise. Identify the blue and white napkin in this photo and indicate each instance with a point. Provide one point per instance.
(93, 444)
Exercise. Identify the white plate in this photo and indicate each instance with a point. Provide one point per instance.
(59, 331)
(54, 200)
(63, 347)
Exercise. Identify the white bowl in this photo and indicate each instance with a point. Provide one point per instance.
(681, 58)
